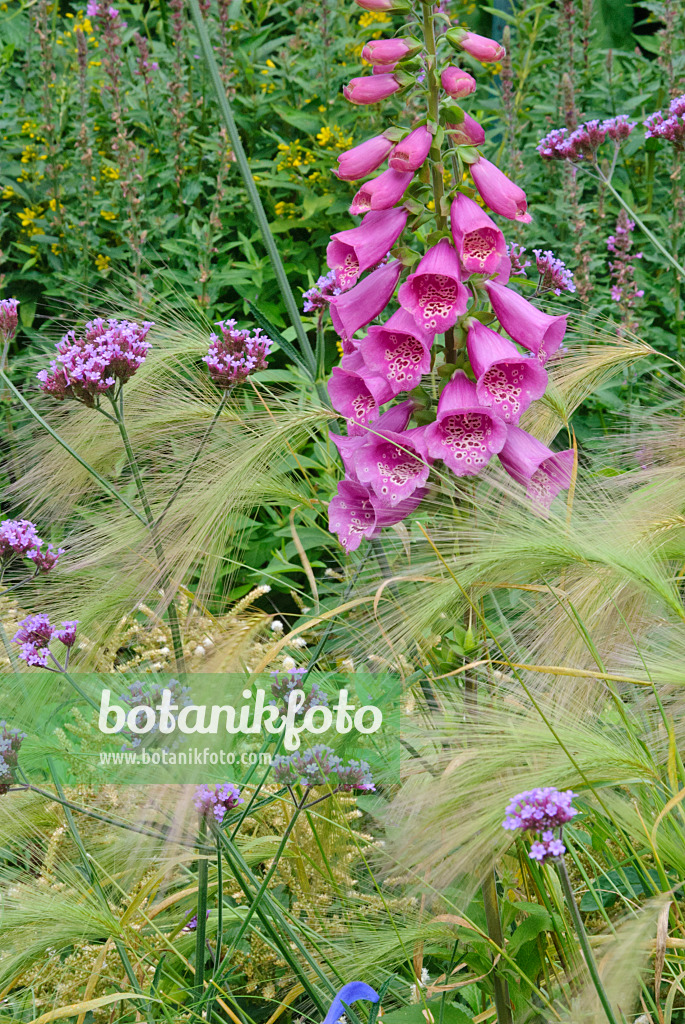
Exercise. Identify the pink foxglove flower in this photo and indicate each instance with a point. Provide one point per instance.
(9, 318)
(483, 49)
(363, 159)
(387, 51)
(479, 241)
(361, 304)
(382, 192)
(411, 152)
(356, 393)
(465, 435)
(355, 512)
(529, 326)
(398, 351)
(355, 250)
(531, 463)
(391, 465)
(500, 194)
(376, 5)
(394, 419)
(434, 294)
(370, 88)
(457, 83)
(506, 380)
(467, 133)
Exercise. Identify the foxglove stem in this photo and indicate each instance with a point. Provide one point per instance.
(174, 625)
(583, 939)
(433, 112)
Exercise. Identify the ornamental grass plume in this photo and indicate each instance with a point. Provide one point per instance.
(451, 284)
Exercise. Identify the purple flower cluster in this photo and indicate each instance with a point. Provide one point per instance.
(585, 140)
(321, 766)
(624, 289)
(541, 810)
(519, 264)
(283, 684)
(318, 297)
(388, 452)
(19, 539)
(10, 742)
(109, 351)
(554, 274)
(191, 926)
(151, 695)
(217, 800)
(143, 63)
(671, 127)
(35, 634)
(236, 354)
(8, 318)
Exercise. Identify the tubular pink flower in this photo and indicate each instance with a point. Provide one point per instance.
(363, 159)
(391, 465)
(411, 152)
(500, 194)
(376, 5)
(358, 306)
(356, 393)
(457, 83)
(467, 133)
(355, 250)
(387, 51)
(483, 49)
(479, 241)
(394, 419)
(381, 192)
(370, 88)
(528, 325)
(531, 463)
(398, 351)
(355, 512)
(465, 435)
(433, 294)
(506, 380)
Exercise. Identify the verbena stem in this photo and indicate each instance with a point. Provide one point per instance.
(583, 939)
(494, 924)
(201, 919)
(248, 180)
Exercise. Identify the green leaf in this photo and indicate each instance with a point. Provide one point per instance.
(414, 1014)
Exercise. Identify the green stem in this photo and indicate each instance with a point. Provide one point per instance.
(583, 939)
(174, 624)
(219, 924)
(201, 930)
(433, 114)
(494, 925)
(82, 693)
(53, 433)
(11, 654)
(248, 180)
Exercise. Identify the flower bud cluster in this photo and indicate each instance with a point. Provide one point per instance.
(321, 766)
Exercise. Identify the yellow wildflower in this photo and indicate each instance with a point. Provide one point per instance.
(108, 214)
(111, 173)
(369, 17)
(102, 263)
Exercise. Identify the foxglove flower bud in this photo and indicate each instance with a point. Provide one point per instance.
(467, 133)
(506, 380)
(433, 294)
(381, 192)
(361, 304)
(411, 152)
(388, 51)
(465, 435)
(531, 463)
(363, 159)
(500, 194)
(525, 323)
(483, 49)
(457, 83)
(352, 252)
(370, 88)
(479, 241)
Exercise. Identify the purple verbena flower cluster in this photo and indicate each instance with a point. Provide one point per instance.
(109, 351)
(236, 354)
(519, 264)
(283, 684)
(191, 926)
(35, 634)
(19, 539)
(671, 127)
(541, 811)
(137, 694)
(9, 318)
(319, 295)
(585, 140)
(554, 274)
(10, 742)
(217, 800)
(321, 766)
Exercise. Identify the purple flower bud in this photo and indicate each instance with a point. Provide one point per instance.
(9, 318)
(370, 89)
(467, 133)
(481, 47)
(363, 159)
(411, 152)
(387, 51)
(498, 192)
(457, 83)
